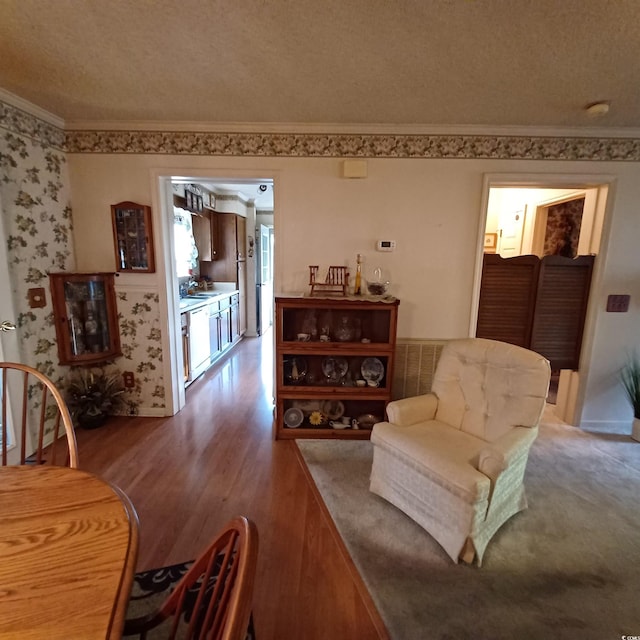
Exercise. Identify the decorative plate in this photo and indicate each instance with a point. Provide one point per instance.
(335, 368)
(293, 417)
(333, 409)
(372, 369)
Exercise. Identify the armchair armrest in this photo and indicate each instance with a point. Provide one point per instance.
(409, 411)
(499, 455)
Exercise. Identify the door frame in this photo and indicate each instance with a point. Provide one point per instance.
(553, 181)
(9, 345)
(162, 213)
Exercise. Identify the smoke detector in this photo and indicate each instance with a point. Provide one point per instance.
(597, 109)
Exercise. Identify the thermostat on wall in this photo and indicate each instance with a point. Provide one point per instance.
(386, 245)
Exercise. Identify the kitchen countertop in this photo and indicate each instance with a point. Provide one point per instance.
(203, 298)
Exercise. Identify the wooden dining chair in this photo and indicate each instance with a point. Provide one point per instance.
(211, 600)
(41, 409)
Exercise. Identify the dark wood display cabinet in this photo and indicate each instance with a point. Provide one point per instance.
(133, 237)
(86, 317)
(334, 365)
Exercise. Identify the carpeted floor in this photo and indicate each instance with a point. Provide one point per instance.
(566, 568)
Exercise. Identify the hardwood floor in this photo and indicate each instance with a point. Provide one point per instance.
(187, 475)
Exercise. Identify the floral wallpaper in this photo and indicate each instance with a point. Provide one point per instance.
(38, 232)
(37, 219)
(563, 228)
(140, 335)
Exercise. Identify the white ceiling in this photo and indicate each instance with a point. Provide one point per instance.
(332, 62)
(249, 191)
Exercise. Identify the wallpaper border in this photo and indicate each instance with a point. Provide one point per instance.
(26, 124)
(309, 145)
(323, 145)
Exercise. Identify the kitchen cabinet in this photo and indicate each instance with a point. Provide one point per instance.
(214, 331)
(210, 329)
(205, 233)
(231, 233)
(225, 323)
(241, 238)
(242, 297)
(235, 317)
(85, 317)
(230, 260)
(334, 364)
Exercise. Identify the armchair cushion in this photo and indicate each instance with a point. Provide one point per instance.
(487, 387)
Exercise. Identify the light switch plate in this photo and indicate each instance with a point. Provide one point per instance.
(618, 303)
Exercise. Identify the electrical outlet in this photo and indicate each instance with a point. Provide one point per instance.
(36, 297)
(129, 380)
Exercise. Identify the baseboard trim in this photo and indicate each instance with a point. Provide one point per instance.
(609, 426)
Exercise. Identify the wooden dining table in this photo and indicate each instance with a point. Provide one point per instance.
(68, 549)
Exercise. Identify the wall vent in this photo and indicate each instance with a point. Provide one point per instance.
(415, 364)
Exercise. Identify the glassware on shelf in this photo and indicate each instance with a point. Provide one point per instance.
(295, 370)
(357, 289)
(334, 369)
(345, 331)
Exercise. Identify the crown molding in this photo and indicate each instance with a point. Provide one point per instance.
(31, 109)
(352, 129)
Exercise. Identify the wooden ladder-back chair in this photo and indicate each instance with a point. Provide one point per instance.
(42, 405)
(213, 599)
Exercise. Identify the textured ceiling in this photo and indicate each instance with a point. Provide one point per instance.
(344, 62)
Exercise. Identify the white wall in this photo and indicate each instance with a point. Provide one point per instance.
(431, 208)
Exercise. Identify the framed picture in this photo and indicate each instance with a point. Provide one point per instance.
(188, 199)
(490, 242)
(193, 201)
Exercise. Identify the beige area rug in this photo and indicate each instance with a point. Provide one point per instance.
(566, 568)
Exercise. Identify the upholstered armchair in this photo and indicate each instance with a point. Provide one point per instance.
(454, 459)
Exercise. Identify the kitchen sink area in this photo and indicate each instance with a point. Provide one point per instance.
(196, 299)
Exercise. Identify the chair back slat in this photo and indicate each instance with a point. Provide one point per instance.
(222, 579)
(35, 417)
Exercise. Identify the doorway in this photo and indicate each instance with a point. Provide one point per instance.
(248, 197)
(264, 277)
(558, 216)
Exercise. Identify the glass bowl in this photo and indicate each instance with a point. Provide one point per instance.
(377, 288)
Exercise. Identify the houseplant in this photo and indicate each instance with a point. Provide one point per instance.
(630, 376)
(92, 395)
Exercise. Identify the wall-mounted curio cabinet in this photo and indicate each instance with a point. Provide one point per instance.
(86, 317)
(133, 237)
